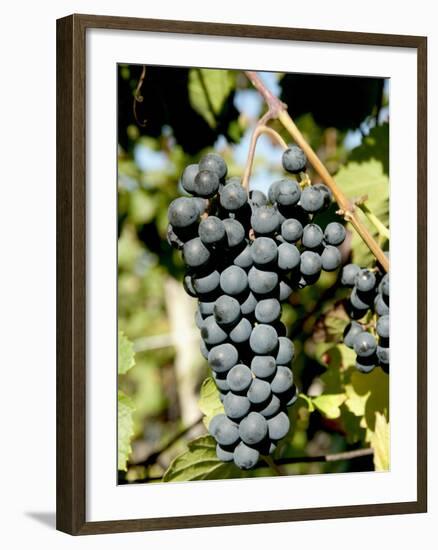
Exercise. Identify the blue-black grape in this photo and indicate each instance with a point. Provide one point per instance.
(195, 254)
(349, 273)
(188, 178)
(244, 258)
(206, 184)
(211, 230)
(271, 408)
(382, 326)
(235, 233)
(213, 162)
(365, 280)
(212, 333)
(236, 406)
(311, 200)
(253, 428)
(263, 251)
(312, 236)
(239, 378)
(294, 160)
(226, 310)
(224, 455)
(310, 263)
(264, 366)
(263, 340)
(233, 196)
(207, 283)
(226, 432)
(262, 282)
(286, 351)
(245, 457)
(223, 357)
(287, 193)
(259, 391)
(247, 307)
(350, 333)
(268, 310)
(331, 258)
(241, 332)
(183, 212)
(233, 280)
(365, 344)
(258, 198)
(291, 230)
(282, 380)
(265, 220)
(278, 426)
(334, 234)
(289, 257)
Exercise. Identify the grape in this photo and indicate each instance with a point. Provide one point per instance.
(349, 274)
(288, 257)
(330, 258)
(278, 426)
(235, 233)
(226, 310)
(285, 352)
(285, 290)
(259, 391)
(245, 457)
(364, 344)
(206, 184)
(312, 199)
(364, 367)
(272, 407)
(188, 178)
(206, 284)
(195, 254)
(383, 326)
(221, 358)
(204, 349)
(263, 251)
(312, 236)
(214, 163)
(215, 423)
(272, 191)
(350, 332)
(224, 455)
(258, 198)
(253, 428)
(244, 259)
(291, 230)
(236, 406)
(379, 305)
(233, 280)
(384, 285)
(310, 263)
(198, 319)
(249, 304)
(358, 300)
(221, 383)
(326, 193)
(265, 220)
(282, 380)
(188, 286)
(226, 432)
(241, 332)
(268, 311)
(263, 366)
(211, 332)
(262, 282)
(294, 160)
(334, 234)
(201, 204)
(182, 212)
(233, 196)
(288, 192)
(365, 280)
(383, 355)
(239, 378)
(173, 239)
(206, 308)
(263, 339)
(211, 230)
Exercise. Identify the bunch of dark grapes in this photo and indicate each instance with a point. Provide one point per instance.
(369, 299)
(244, 256)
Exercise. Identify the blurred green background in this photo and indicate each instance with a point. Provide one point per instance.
(168, 118)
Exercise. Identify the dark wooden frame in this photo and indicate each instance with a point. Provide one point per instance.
(71, 269)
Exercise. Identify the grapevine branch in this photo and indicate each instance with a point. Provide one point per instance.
(277, 109)
(334, 457)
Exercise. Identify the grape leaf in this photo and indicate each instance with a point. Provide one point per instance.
(208, 90)
(379, 440)
(329, 405)
(209, 402)
(125, 428)
(200, 462)
(365, 174)
(126, 358)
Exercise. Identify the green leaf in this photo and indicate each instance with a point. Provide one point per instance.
(142, 207)
(379, 440)
(209, 402)
(200, 462)
(125, 428)
(126, 358)
(359, 178)
(329, 405)
(208, 90)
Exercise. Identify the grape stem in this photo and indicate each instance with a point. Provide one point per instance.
(278, 110)
(381, 229)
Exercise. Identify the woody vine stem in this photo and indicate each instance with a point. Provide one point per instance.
(277, 110)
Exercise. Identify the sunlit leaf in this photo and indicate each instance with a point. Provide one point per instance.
(379, 439)
(329, 405)
(209, 402)
(208, 90)
(126, 359)
(125, 428)
(200, 462)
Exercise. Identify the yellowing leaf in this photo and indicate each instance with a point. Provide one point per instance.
(209, 402)
(379, 439)
(329, 405)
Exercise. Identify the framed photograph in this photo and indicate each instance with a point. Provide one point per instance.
(232, 202)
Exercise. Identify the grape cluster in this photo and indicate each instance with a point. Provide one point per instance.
(369, 298)
(244, 256)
